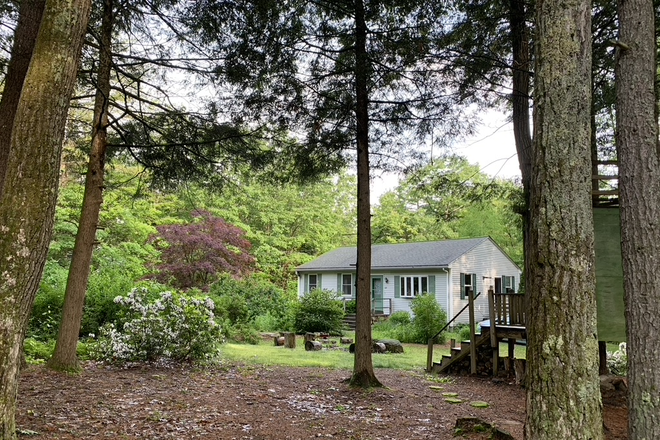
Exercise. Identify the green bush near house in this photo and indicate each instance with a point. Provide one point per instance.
(429, 318)
(319, 311)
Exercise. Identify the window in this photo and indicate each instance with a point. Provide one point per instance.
(413, 285)
(313, 282)
(468, 284)
(508, 284)
(347, 284)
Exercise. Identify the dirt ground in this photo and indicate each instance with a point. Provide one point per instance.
(264, 403)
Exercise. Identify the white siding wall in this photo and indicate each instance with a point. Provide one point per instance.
(486, 260)
(329, 282)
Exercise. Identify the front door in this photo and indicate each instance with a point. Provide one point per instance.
(377, 295)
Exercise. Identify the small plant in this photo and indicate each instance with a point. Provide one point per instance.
(351, 307)
(400, 318)
(172, 326)
(617, 361)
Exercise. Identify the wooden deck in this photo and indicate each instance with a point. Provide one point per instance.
(508, 315)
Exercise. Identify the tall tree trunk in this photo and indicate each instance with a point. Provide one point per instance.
(639, 186)
(363, 370)
(520, 101)
(27, 203)
(520, 90)
(65, 358)
(563, 397)
(29, 20)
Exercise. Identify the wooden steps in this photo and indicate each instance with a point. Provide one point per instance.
(349, 321)
(459, 353)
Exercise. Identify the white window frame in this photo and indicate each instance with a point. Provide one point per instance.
(317, 284)
(413, 285)
(467, 282)
(508, 282)
(347, 286)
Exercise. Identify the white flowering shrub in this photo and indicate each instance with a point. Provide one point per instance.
(617, 361)
(171, 325)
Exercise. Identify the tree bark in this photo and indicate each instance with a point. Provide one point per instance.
(29, 19)
(563, 398)
(639, 167)
(363, 370)
(65, 357)
(27, 203)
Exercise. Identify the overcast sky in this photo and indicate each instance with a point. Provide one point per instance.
(493, 148)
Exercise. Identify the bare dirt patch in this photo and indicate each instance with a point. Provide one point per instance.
(259, 403)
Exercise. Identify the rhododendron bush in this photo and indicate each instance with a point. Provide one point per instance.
(166, 325)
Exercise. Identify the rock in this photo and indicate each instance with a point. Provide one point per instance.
(474, 424)
(345, 341)
(378, 347)
(392, 345)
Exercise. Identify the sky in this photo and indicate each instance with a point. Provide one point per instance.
(493, 148)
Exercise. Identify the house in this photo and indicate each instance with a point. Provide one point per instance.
(448, 269)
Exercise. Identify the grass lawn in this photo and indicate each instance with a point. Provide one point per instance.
(266, 353)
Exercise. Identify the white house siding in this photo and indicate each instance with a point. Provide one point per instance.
(403, 304)
(329, 282)
(487, 261)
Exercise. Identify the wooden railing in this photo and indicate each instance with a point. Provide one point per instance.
(508, 309)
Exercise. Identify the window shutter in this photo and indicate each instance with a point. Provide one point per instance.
(474, 284)
(431, 285)
(462, 276)
(513, 283)
(340, 288)
(306, 284)
(397, 287)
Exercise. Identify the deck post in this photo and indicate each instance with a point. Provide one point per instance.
(493, 332)
(473, 339)
(429, 356)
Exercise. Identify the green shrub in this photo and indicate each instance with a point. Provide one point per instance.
(429, 318)
(242, 333)
(401, 317)
(116, 270)
(47, 308)
(38, 352)
(319, 311)
(464, 332)
(175, 326)
(242, 301)
(267, 323)
(351, 307)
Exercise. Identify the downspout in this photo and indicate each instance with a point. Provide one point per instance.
(448, 292)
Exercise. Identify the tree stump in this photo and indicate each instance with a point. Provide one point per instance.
(312, 346)
(278, 340)
(289, 340)
(310, 336)
(345, 341)
(378, 347)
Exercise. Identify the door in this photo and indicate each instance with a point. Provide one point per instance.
(377, 295)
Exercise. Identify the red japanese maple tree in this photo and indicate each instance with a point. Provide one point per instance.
(193, 254)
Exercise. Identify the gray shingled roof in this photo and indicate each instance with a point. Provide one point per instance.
(397, 256)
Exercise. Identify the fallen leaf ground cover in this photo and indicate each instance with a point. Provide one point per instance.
(238, 401)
